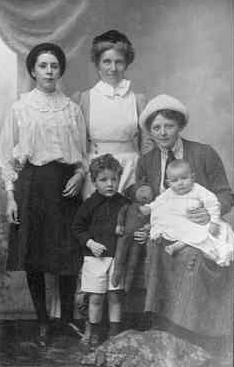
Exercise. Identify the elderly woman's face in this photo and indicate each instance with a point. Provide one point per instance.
(111, 67)
(164, 131)
(46, 72)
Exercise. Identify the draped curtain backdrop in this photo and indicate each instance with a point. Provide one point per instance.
(25, 23)
(69, 23)
(183, 48)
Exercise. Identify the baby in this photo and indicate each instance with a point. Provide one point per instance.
(169, 217)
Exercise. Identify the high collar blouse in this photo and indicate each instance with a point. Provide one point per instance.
(42, 128)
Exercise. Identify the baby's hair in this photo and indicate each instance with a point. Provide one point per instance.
(178, 163)
(105, 161)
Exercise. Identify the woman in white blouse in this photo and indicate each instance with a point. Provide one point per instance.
(43, 160)
(111, 108)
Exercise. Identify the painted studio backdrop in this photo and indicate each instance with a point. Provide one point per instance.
(183, 48)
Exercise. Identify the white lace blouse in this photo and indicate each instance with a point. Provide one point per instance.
(42, 128)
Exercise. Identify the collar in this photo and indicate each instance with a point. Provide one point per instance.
(107, 90)
(177, 149)
(97, 198)
(41, 101)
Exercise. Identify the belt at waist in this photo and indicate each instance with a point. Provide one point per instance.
(113, 147)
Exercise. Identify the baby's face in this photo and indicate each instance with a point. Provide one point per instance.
(180, 179)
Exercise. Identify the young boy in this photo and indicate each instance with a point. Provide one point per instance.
(94, 227)
(169, 220)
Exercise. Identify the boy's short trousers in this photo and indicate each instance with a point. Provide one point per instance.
(96, 275)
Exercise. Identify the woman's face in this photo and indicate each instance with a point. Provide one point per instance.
(164, 131)
(46, 72)
(111, 67)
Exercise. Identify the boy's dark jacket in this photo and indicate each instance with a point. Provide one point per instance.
(96, 219)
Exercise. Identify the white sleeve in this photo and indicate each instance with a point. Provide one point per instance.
(210, 202)
(8, 140)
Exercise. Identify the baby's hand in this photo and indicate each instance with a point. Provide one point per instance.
(96, 247)
(214, 229)
(145, 209)
(147, 227)
(199, 216)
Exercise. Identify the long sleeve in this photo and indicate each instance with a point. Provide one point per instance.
(81, 224)
(210, 202)
(8, 139)
(122, 215)
(81, 127)
(141, 172)
(217, 179)
(145, 142)
(83, 100)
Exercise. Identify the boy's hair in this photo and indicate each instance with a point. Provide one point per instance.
(177, 163)
(105, 161)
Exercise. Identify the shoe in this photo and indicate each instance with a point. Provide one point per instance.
(84, 344)
(43, 335)
(94, 342)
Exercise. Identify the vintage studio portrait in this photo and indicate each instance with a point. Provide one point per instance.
(116, 183)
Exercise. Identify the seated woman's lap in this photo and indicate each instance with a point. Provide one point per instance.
(189, 290)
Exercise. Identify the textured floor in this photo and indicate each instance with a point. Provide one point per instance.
(18, 348)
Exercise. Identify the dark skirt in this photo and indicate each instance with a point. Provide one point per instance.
(198, 299)
(43, 240)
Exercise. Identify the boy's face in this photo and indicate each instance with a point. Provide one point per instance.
(107, 182)
(180, 179)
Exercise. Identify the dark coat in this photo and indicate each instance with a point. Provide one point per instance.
(96, 219)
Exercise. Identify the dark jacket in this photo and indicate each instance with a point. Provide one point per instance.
(206, 164)
(96, 219)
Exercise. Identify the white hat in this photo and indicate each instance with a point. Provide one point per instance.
(162, 102)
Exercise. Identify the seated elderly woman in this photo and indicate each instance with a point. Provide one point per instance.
(186, 289)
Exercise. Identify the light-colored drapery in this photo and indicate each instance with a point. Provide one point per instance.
(25, 23)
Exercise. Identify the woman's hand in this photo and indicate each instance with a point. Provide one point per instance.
(74, 185)
(198, 215)
(214, 229)
(12, 211)
(141, 236)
